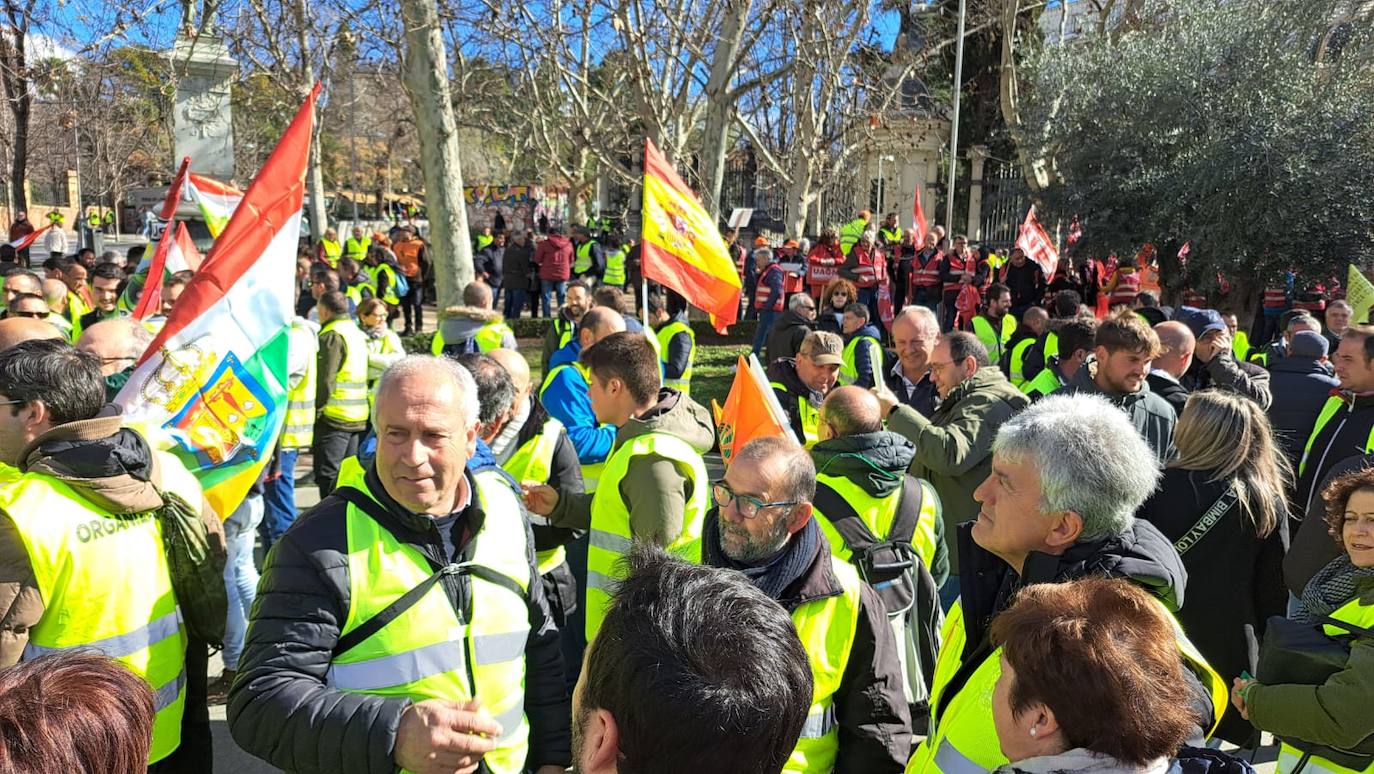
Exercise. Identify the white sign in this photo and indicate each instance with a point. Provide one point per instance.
(739, 217)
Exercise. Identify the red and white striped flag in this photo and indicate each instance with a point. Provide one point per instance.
(1075, 231)
(28, 239)
(1037, 245)
(918, 223)
(169, 204)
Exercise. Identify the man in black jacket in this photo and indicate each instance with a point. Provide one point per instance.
(790, 328)
(1175, 355)
(424, 511)
(763, 527)
(1054, 509)
(1301, 385)
(1214, 364)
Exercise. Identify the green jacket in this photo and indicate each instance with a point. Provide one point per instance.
(877, 463)
(1335, 713)
(655, 488)
(954, 446)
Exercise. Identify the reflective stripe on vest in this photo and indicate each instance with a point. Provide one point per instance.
(1127, 288)
(664, 337)
(615, 267)
(992, 339)
(591, 471)
(1275, 298)
(610, 534)
(878, 514)
(865, 269)
(957, 266)
(963, 737)
(298, 432)
(849, 370)
(762, 291)
(490, 336)
(827, 629)
(1045, 382)
(1329, 409)
(583, 263)
(534, 462)
(1018, 360)
(426, 652)
(348, 401)
(926, 275)
(106, 586)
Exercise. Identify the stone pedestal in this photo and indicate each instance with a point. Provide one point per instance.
(913, 145)
(202, 127)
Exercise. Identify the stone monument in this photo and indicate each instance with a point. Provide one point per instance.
(202, 125)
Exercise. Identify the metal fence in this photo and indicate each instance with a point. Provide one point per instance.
(1005, 200)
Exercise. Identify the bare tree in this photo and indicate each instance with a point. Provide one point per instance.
(16, 82)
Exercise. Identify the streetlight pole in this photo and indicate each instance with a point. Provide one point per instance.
(954, 125)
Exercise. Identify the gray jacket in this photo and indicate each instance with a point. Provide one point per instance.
(1152, 416)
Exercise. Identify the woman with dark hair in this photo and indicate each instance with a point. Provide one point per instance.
(1336, 713)
(1221, 503)
(75, 712)
(1092, 681)
(836, 296)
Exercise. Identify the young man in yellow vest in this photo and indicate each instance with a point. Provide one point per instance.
(1053, 509)
(886, 523)
(563, 328)
(400, 625)
(653, 486)
(357, 283)
(677, 687)
(762, 525)
(677, 344)
(994, 326)
(589, 260)
(566, 394)
(472, 327)
(340, 389)
(84, 556)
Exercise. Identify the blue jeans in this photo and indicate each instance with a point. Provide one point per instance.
(547, 288)
(766, 317)
(240, 575)
(515, 303)
(279, 498)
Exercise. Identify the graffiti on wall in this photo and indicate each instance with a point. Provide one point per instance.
(513, 206)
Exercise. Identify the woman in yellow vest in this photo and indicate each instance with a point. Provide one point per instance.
(1328, 728)
(1091, 682)
(383, 345)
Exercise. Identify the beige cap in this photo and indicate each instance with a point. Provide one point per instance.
(822, 348)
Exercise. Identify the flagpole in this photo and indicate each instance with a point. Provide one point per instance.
(643, 278)
(954, 125)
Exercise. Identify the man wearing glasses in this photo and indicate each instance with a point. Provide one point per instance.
(791, 328)
(762, 526)
(27, 305)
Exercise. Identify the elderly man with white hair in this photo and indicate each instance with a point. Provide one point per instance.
(400, 623)
(1054, 509)
(915, 332)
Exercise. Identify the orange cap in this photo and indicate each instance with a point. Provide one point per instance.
(760, 242)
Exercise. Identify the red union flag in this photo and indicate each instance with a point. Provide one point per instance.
(918, 223)
(1037, 244)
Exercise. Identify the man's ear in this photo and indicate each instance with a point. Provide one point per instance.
(600, 744)
(801, 513)
(1067, 528)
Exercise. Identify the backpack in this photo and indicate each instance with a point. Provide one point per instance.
(898, 576)
(196, 569)
(402, 284)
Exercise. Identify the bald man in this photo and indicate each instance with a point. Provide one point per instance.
(564, 393)
(864, 498)
(472, 327)
(55, 294)
(1032, 327)
(1168, 369)
(118, 343)
(16, 329)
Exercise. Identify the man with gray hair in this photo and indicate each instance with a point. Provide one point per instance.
(791, 328)
(1053, 509)
(915, 330)
(400, 623)
(763, 525)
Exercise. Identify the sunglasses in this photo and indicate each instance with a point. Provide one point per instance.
(32, 315)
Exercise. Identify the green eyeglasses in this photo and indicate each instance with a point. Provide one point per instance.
(748, 507)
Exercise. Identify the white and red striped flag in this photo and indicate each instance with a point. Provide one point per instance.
(1037, 245)
(918, 223)
(28, 239)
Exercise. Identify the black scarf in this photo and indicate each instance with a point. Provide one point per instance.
(774, 577)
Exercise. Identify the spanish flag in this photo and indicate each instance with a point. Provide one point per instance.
(682, 248)
(751, 410)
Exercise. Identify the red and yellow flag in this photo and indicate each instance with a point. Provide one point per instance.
(682, 248)
(751, 411)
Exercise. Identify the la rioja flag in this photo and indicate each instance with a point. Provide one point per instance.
(214, 379)
(175, 252)
(1037, 245)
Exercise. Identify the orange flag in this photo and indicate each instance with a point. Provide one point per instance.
(682, 248)
(751, 411)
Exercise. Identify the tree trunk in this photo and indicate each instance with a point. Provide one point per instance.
(426, 82)
(798, 199)
(20, 161)
(15, 81)
(314, 178)
(719, 104)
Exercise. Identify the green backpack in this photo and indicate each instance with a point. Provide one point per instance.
(196, 567)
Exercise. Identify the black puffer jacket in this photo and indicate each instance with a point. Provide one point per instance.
(987, 585)
(280, 709)
(1301, 386)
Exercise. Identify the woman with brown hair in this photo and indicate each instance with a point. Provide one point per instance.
(1092, 681)
(75, 712)
(838, 294)
(1336, 713)
(1221, 503)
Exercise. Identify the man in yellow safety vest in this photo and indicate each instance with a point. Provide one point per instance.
(677, 344)
(472, 327)
(400, 625)
(1053, 509)
(763, 525)
(356, 245)
(566, 394)
(340, 389)
(85, 565)
(653, 486)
